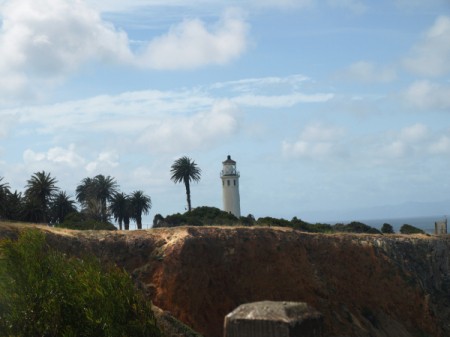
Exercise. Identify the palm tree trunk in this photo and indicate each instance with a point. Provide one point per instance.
(188, 194)
(127, 223)
(139, 222)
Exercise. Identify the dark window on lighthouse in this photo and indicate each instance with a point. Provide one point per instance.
(228, 182)
(234, 182)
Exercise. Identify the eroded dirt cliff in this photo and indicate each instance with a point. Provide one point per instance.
(365, 285)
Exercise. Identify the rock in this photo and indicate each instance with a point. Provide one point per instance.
(274, 319)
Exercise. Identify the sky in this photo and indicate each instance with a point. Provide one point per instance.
(333, 109)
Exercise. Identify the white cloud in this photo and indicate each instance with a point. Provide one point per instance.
(190, 44)
(440, 146)
(56, 155)
(42, 42)
(280, 101)
(356, 6)
(184, 133)
(428, 95)
(282, 4)
(431, 56)
(253, 84)
(104, 161)
(316, 141)
(368, 72)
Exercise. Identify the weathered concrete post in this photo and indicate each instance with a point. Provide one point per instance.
(274, 319)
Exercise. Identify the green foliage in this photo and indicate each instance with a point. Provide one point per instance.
(356, 227)
(45, 293)
(387, 229)
(80, 221)
(185, 170)
(200, 216)
(408, 229)
(269, 221)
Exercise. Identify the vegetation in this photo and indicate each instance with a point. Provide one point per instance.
(94, 194)
(200, 216)
(44, 202)
(139, 203)
(185, 170)
(45, 293)
(39, 191)
(80, 221)
(387, 229)
(408, 229)
(356, 227)
(207, 216)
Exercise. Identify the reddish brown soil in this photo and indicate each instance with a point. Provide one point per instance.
(365, 285)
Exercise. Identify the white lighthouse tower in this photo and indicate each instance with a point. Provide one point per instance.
(230, 187)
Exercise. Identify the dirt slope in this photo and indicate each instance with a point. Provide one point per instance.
(365, 285)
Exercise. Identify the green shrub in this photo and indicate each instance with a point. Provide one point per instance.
(356, 227)
(80, 222)
(387, 229)
(45, 293)
(408, 229)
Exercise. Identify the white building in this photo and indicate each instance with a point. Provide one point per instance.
(230, 187)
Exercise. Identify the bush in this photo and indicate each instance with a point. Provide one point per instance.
(408, 229)
(387, 229)
(356, 227)
(200, 216)
(45, 293)
(80, 222)
(269, 221)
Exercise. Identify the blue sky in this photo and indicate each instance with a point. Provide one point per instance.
(333, 109)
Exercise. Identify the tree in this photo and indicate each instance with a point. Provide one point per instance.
(61, 206)
(408, 229)
(39, 191)
(185, 170)
(140, 203)
(13, 207)
(4, 192)
(94, 194)
(120, 209)
(387, 229)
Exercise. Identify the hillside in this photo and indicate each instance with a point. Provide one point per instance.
(365, 285)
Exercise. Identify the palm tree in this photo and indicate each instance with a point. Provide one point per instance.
(83, 191)
(39, 191)
(120, 209)
(105, 188)
(4, 192)
(62, 206)
(185, 170)
(94, 194)
(14, 207)
(140, 203)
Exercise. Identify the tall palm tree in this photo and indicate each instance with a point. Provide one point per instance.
(39, 190)
(140, 203)
(120, 209)
(83, 191)
(185, 170)
(105, 188)
(94, 194)
(62, 206)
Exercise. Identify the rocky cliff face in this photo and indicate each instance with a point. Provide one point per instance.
(364, 285)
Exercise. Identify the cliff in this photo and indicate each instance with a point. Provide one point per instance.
(364, 285)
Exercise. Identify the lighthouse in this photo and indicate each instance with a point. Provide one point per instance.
(230, 187)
